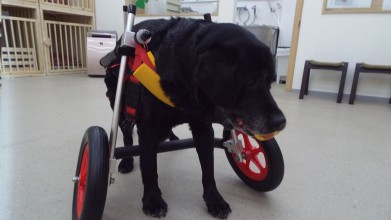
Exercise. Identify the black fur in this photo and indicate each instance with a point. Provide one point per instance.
(214, 73)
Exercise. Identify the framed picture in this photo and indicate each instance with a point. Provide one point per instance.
(356, 6)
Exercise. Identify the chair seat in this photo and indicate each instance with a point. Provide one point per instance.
(376, 67)
(326, 64)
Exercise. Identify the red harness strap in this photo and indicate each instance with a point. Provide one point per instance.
(127, 71)
(141, 57)
(132, 87)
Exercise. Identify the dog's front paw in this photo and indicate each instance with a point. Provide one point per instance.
(126, 165)
(219, 209)
(217, 206)
(154, 205)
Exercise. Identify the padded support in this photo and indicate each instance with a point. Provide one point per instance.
(312, 64)
(365, 68)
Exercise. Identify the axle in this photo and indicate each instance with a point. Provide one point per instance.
(167, 146)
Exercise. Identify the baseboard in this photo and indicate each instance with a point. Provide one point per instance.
(346, 96)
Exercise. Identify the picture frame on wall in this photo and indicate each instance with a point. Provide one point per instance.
(356, 6)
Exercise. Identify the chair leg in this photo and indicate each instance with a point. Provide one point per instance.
(307, 80)
(304, 81)
(342, 83)
(354, 85)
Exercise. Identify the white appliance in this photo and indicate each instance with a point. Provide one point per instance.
(282, 63)
(99, 43)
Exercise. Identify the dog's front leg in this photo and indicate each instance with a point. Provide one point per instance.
(153, 203)
(203, 135)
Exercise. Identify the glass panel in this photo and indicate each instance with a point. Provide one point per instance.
(349, 3)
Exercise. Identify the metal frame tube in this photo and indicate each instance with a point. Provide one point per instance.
(167, 146)
(117, 103)
(237, 146)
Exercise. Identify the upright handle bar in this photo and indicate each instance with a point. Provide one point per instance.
(131, 10)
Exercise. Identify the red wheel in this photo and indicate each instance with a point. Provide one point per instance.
(81, 186)
(262, 167)
(90, 189)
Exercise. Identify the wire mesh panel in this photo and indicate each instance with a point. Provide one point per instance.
(66, 47)
(18, 42)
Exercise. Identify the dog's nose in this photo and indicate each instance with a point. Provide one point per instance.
(278, 122)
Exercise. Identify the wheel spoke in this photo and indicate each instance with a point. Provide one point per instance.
(247, 143)
(258, 164)
(248, 162)
(249, 146)
(253, 153)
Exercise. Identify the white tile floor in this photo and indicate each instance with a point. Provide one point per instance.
(337, 158)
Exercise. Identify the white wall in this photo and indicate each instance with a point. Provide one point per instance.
(109, 14)
(344, 37)
(286, 22)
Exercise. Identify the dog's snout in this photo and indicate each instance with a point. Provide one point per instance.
(278, 122)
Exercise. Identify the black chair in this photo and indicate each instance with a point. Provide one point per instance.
(312, 64)
(365, 68)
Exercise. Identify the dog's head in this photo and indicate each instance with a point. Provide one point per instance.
(235, 72)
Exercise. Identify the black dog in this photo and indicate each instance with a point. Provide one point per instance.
(213, 73)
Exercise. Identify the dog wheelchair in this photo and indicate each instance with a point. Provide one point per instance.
(259, 164)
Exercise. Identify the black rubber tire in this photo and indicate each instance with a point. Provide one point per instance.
(275, 164)
(96, 183)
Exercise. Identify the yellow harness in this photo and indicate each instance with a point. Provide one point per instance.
(151, 80)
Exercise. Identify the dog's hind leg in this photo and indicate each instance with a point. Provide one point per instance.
(126, 164)
(149, 139)
(203, 135)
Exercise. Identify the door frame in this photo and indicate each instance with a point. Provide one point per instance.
(294, 45)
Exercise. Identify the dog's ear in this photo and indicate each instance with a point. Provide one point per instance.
(215, 75)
